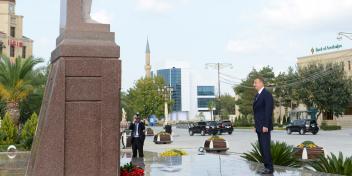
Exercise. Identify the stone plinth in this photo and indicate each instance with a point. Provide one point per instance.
(79, 124)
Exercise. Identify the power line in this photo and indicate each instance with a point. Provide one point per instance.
(218, 67)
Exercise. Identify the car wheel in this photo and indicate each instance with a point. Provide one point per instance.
(230, 132)
(289, 131)
(302, 132)
(191, 133)
(202, 133)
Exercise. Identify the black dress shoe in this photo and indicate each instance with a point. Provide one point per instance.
(267, 172)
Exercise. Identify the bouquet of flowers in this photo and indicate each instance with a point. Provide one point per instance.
(216, 138)
(173, 152)
(307, 144)
(131, 170)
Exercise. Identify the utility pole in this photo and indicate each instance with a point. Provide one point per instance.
(218, 67)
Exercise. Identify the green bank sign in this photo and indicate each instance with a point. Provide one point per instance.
(326, 48)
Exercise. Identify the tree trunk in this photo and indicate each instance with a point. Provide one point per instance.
(13, 109)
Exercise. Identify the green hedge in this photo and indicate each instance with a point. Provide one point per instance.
(330, 127)
(327, 127)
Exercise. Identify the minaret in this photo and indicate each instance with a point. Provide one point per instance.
(148, 67)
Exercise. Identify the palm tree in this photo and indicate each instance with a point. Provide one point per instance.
(15, 85)
(211, 106)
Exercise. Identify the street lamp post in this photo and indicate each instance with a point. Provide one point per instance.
(166, 91)
(218, 67)
(341, 35)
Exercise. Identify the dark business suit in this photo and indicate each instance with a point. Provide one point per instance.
(263, 106)
(137, 142)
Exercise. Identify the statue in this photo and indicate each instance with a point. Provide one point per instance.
(86, 6)
(86, 9)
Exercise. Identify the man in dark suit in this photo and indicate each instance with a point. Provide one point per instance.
(263, 106)
(138, 136)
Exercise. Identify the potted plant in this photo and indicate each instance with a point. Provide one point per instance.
(216, 143)
(131, 170)
(313, 150)
(149, 132)
(162, 138)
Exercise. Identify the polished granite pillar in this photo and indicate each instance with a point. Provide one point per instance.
(78, 131)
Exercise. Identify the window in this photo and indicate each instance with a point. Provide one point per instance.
(12, 51)
(206, 90)
(24, 48)
(348, 110)
(13, 32)
(204, 102)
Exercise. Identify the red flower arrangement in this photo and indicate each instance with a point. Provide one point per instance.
(131, 170)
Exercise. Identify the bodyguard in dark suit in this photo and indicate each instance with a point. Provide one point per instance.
(138, 136)
(263, 106)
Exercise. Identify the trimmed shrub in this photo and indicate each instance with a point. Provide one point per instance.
(8, 131)
(244, 121)
(327, 127)
(28, 131)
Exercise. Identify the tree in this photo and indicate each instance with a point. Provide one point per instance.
(246, 92)
(285, 89)
(29, 130)
(329, 90)
(147, 97)
(8, 130)
(33, 103)
(15, 85)
(228, 105)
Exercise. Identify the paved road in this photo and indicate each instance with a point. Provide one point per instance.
(240, 140)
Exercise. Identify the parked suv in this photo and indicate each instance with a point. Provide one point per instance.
(203, 128)
(302, 126)
(225, 126)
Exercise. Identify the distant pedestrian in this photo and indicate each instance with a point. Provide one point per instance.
(168, 128)
(138, 136)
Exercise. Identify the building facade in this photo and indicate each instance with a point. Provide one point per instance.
(12, 41)
(205, 95)
(172, 78)
(343, 57)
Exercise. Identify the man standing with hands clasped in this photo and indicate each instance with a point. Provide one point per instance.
(263, 106)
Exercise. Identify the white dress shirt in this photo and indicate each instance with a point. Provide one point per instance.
(136, 134)
(261, 90)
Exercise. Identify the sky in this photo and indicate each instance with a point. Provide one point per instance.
(247, 34)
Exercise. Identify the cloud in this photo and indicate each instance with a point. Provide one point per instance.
(159, 6)
(102, 16)
(299, 13)
(251, 43)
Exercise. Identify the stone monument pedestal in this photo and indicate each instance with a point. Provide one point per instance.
(79, 124)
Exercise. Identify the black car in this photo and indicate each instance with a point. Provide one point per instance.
(203, 128)
(302, 126)
(225, 126)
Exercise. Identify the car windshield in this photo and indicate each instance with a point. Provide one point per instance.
(212, 123)
(201, 123)
(226, 123)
